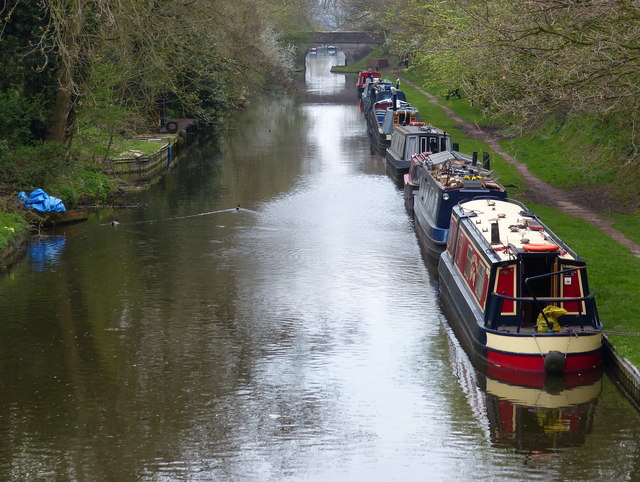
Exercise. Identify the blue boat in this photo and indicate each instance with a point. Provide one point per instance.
(375, 90)
(440, 181)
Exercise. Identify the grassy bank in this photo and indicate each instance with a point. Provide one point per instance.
(563, 154)
(360, 64)
(76, 179)
(12, 226)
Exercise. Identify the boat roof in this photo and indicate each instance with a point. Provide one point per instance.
(519, 230)
(440, 157)
(402, 106)
(454, 170)
(418, 128)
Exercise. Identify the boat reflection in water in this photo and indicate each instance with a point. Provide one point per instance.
(532, 414)
(538, 418)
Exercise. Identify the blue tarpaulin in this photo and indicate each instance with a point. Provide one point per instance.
(41, 201)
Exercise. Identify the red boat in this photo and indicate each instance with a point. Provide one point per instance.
(515, 293)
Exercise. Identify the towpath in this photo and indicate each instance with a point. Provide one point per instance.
(537, 190)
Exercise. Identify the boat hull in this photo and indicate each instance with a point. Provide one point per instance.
(432, 239)
(527, 362)
(518, 352)
(409, 193)
(379, 139)
(396, 168)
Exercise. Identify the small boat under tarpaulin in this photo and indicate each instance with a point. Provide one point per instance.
(515, 293)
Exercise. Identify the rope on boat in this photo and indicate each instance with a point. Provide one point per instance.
(535, 338)
(621, 333)
(571, 333)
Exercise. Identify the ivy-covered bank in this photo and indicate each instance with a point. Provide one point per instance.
(86, 186)
(14, 233)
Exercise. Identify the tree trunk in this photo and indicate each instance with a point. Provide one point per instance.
(60, 116)
(68, 20)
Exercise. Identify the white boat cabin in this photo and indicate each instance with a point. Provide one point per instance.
(417, 137)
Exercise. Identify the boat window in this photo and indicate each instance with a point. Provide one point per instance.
(397, 143)
(411, 147)
(467, 266)
(459, 252)
(443, 143)
(480, 279)
(433, 144)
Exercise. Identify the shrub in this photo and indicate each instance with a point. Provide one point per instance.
(33, 166)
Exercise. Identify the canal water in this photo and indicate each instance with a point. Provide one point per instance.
(265, 314)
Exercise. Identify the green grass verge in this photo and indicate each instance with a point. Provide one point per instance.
(548, 158)
(629, 225)
(83, 187)
(360, 64)
(12, 225)
(460, 105)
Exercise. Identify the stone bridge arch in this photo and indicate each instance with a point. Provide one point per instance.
(355, 45)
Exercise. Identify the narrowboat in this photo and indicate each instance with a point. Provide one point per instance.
(385, 115)
(378, 90)
(362, 80)
(515, 294)
(438, 182)
(410, 139)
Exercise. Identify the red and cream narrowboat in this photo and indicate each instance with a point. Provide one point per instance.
(515, 293)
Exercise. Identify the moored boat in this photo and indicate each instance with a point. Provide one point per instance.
(438, 182)
(387, 113)
(516, 295)
(376, 90)
(362, 80)
(408, 140)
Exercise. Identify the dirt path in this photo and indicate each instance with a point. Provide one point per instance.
(538, 191)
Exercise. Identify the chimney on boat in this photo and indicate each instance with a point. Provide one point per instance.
(495, 233)
(474, 161)
(485, 161)
(394, 99)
